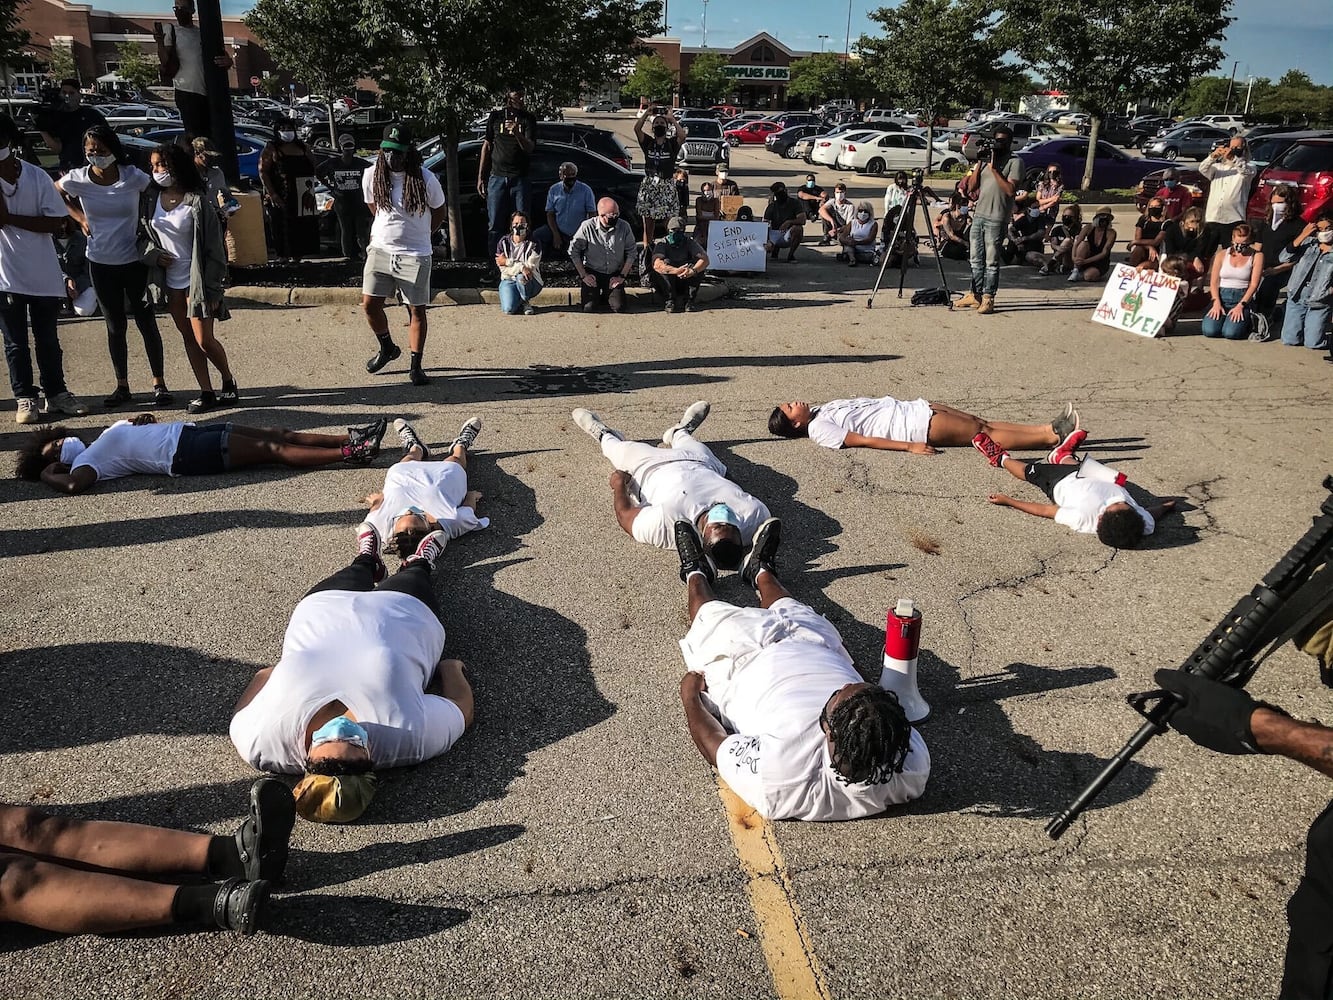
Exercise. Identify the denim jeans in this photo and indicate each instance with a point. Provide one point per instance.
(1302, 317)
(504, 197)
(15, 312)
(986, 237)
(514, 295)
(1226, 326)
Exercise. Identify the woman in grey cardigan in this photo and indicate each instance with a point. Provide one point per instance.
(184, 241)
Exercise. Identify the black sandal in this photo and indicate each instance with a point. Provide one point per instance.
(203, 404)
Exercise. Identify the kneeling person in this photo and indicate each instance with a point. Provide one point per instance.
(773, 701)
(682, 482)
(679, 263)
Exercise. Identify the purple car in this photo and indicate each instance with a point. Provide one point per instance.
(1111, 169)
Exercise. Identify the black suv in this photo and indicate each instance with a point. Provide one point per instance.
(598, 140)
(365, 125)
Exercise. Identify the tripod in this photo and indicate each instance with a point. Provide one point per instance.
(914, 198)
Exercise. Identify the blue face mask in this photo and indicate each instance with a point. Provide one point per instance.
(1169, 184)
(341, 730)
(720, 513)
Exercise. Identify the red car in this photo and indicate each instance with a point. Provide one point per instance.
(1308, 165)
(754, 133)
(727, 111)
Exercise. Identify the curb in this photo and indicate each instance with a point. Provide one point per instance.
(549, 297)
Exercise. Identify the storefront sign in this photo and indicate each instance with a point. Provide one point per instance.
(772, 74)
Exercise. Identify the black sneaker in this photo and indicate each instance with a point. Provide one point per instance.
(409, 439)
(262, 839)
(385, 355)
(690, 548)
(241, 906)
(120, 397)
(373, 432)
(670, 306)
(230, 395)
(418, 377)
(207, 401)
(162, 396)
(467, 434)
(763, 553)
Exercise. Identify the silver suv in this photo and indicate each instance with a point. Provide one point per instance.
(1024, 133)
(704, 145)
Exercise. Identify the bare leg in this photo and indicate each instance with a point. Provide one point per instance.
(65, 900)
(280, 435)
(244, 451)
(176, 306)
(373, 307)
(416, 329)
(700, 593)
(210, 347)
(459, 455)
(951, 428)
(770, 589)
(121, 847)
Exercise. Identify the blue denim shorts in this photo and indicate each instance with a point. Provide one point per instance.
(202, 450)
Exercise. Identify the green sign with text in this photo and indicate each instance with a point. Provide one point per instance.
(777, 74)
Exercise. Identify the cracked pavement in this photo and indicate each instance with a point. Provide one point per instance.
(573, 844)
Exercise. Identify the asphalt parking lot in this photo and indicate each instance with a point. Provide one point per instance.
(574, 844)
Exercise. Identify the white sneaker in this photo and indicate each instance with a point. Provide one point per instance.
(27, 411)
(64, 402)
(591, 424)
(694, 415)
(1075, 275)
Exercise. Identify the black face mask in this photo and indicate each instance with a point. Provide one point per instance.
(1102, 221)
(570, 181)
(520, 230)
(659, 131)
(1068, 220)
(1154, 213)
(779, 196)
(1001, 146)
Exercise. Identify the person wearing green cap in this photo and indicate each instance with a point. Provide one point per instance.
(406, 206)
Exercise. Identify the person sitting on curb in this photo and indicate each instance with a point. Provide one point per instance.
(917, 426)
(75, 876)
(835, 213)
(786, 222)
(519, 258)
(1087, 497)
(603, 252)
(67, 463)
(678, 268)
(858, 237)
(652, 488)
(774, 702)
(362, 683)
(1092, 249)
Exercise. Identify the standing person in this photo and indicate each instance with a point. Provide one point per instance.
(108, 191)
(343, 176)
(519, 259)
(1229, 171)
(1233, 280)
(657, 194)
(1310, 293)
(1149, 234)
(181, 54)
(187, 233)
(678, 268)
(406, 205)
(64, 128)
(835, 213)
(1175, 197)
(786, 222)
(284, 167)
(502, 171)
(31, 283)
(603, 255)
(1092, 248)
(569, 204)
(219, 196)
(992, 185)
(681, 179)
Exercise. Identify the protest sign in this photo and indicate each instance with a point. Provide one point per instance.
(1137, 301)
(736, 246)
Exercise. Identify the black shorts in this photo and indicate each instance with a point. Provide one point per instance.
(202, 450)
(1044, 476)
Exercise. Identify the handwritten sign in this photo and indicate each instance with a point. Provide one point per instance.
(737, 246)
(1137, 301)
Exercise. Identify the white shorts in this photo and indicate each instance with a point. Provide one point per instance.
(724, 637)
(406, 273)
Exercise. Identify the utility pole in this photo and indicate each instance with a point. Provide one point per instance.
(1249, 89)
(1226, 108)
(822, 40)
(218, 86)
(705, 23)
(847, 52)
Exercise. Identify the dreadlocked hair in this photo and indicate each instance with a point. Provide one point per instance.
(870, 736)
(414, 185)
(30, 460)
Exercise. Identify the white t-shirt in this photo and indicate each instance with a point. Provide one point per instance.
(1081, 501)
(374, 652)
(176, 231)
(770, 673)
(190, 52)
(124, 449)
(886, 417)
(112, 210)
(679, 485)
(438, 488)
(393, 231)
(28, 262)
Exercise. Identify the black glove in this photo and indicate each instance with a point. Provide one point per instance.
(1212, 714)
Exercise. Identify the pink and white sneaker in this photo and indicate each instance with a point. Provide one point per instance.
(368, 543)
(1067, 447)
(993, 452)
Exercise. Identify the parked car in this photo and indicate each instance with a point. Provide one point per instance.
(879, 116)
(704, 144)
(1050, 117)
(725, 111)
(784, 143)
(884, 152)
(1024, 132)
(116, 114)
(1150, 123)
(828, 148)
(752, 133)
(1073, 118)
(1111, 168)
(974, 114)
(596, 106)
(365, 125)
(1193, 143)
(787, 119)
(1307, 164)
(1267, 148)
(248, 148)
(1116, 130)
(1231, 123)
(1188, 177)
(599, 140)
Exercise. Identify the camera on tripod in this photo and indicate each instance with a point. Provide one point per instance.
(985, 145)
(918, 179)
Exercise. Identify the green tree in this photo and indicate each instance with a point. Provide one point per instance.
(706, 79)
(13, 38)
(317, 41)
(823, 75)
(1105, 53)
(271, 86)
(61, 65)
(650, 78)
(931, 50)
(135, 67)
(1204, 95)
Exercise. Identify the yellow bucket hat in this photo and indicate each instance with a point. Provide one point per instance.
(334, 798)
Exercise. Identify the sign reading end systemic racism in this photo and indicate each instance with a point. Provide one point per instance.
(1137, 301)
(736, 246)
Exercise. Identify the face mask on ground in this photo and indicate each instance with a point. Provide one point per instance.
(1324, 236)
(70, 449)
(101, 162)
(162, 179)
(286, 136)
(341, 730)
(1279, 211)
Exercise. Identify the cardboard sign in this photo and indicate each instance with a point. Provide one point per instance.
(736, 246)
(730, 205)
(1137, 301)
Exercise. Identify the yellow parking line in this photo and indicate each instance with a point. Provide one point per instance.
(788, 950)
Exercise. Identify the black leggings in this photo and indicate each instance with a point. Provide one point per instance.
(115, 284)
(1044, 475)
(412, 579)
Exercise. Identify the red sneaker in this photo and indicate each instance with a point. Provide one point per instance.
(1067, 447)
(993, 452)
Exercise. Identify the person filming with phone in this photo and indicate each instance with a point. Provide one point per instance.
(1229, 170)
(502, 172)
(992, 186)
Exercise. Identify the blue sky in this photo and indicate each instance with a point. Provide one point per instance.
(1267, 38)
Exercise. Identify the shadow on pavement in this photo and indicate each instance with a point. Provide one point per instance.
(317, 870)
(352, 921)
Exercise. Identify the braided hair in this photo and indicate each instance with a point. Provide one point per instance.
(869, 736)
(414, 185)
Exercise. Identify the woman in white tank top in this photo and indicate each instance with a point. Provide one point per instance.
(1236, 272)
(857, 238)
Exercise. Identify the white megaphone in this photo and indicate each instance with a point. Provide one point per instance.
(902, 640)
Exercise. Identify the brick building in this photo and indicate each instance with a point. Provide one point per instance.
(760, 67)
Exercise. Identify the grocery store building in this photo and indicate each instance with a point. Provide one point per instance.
(760, 67)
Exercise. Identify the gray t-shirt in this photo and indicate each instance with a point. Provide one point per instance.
(992, 203)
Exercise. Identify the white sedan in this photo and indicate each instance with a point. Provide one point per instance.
(884, 152)
(828, 148)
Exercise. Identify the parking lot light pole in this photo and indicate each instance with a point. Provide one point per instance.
(218, 86)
